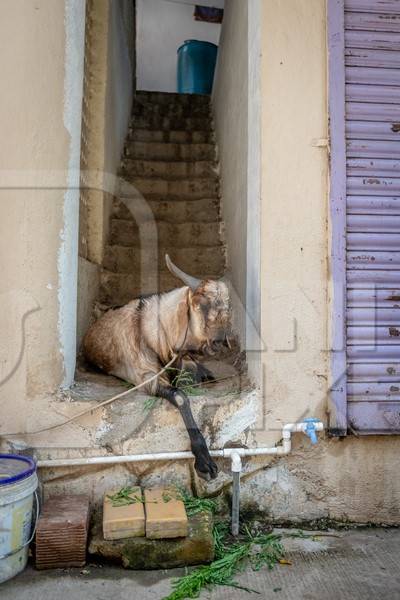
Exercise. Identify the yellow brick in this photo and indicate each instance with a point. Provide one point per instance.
(164, 519)
(123, 521)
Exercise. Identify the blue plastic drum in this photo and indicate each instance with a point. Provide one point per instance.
(196, 67)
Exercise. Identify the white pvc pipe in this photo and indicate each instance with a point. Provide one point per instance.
(283, 449)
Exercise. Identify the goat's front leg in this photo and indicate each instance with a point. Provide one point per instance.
(204, 464)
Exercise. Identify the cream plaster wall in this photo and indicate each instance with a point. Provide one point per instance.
(294, 210)
(39, 158)
(230, 106)
(108, 91)
(237, 115)
(353, 478)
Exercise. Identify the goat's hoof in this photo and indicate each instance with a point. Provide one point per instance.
(206, 469)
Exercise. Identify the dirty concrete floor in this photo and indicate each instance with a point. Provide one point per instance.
(358, 564)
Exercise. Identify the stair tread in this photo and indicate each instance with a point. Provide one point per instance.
(142, 129)
(150, 94)
(162, 123)
(159, 178)
(170, 160)
(170, 144)
(172, 197)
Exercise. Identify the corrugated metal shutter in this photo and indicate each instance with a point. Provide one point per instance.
(372, 88)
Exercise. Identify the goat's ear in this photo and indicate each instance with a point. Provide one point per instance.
(199, 300)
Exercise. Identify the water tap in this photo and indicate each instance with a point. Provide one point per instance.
(310, 429)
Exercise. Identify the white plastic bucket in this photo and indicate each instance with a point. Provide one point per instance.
(18, 484)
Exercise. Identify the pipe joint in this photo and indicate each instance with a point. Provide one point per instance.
(236, 462)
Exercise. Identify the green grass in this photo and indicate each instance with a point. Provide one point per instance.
(185, 381)
(150, 403)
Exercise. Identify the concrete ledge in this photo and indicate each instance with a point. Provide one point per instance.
(146, 554)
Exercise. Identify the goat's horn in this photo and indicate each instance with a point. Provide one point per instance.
(192, 282)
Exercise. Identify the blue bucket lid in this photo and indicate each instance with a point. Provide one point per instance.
(197, 42)
(14, 468)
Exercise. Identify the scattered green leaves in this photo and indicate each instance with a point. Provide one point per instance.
(124, 497)
(195, 505)
(231, 557)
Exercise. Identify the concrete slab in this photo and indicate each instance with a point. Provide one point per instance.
(145, 553)
(356, 565)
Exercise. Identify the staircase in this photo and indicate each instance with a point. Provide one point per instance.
(170, 158)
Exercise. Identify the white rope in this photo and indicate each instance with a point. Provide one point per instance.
(93, 408)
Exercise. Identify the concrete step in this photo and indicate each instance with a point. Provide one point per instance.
(169, 169)
(174, 110)
(143, 553)
(208, 261)
(175, 137)
(178, 211)
(172, 98)
(157, 122)
(168, 151)
(194, 188)
(175, 235)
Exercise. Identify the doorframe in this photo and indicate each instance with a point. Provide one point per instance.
(337, 205)
(253, 249)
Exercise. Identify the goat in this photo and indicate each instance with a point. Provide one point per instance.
(134, 342)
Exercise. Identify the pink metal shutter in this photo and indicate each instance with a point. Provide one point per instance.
(370, 395)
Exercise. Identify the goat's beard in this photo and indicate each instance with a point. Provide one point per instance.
(212, 347)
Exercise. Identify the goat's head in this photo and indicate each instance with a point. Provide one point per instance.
(209, 305)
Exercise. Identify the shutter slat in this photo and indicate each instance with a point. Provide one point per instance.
(381, 60)
(375, 260)
(371, 22)
(373, 167)
(374, 6)
(372, 354)
(381, 94)
(373, 186)
(373, 335)
(373, 241)
(373, 205)
(381, 391)
(373, 111)
(373, 130)
(368, 278)
(373, 149)
(368, 74)
(373, 316)
(376, 298)
(374, 40)
(374, 417)
(372, 223)
(366, 372)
